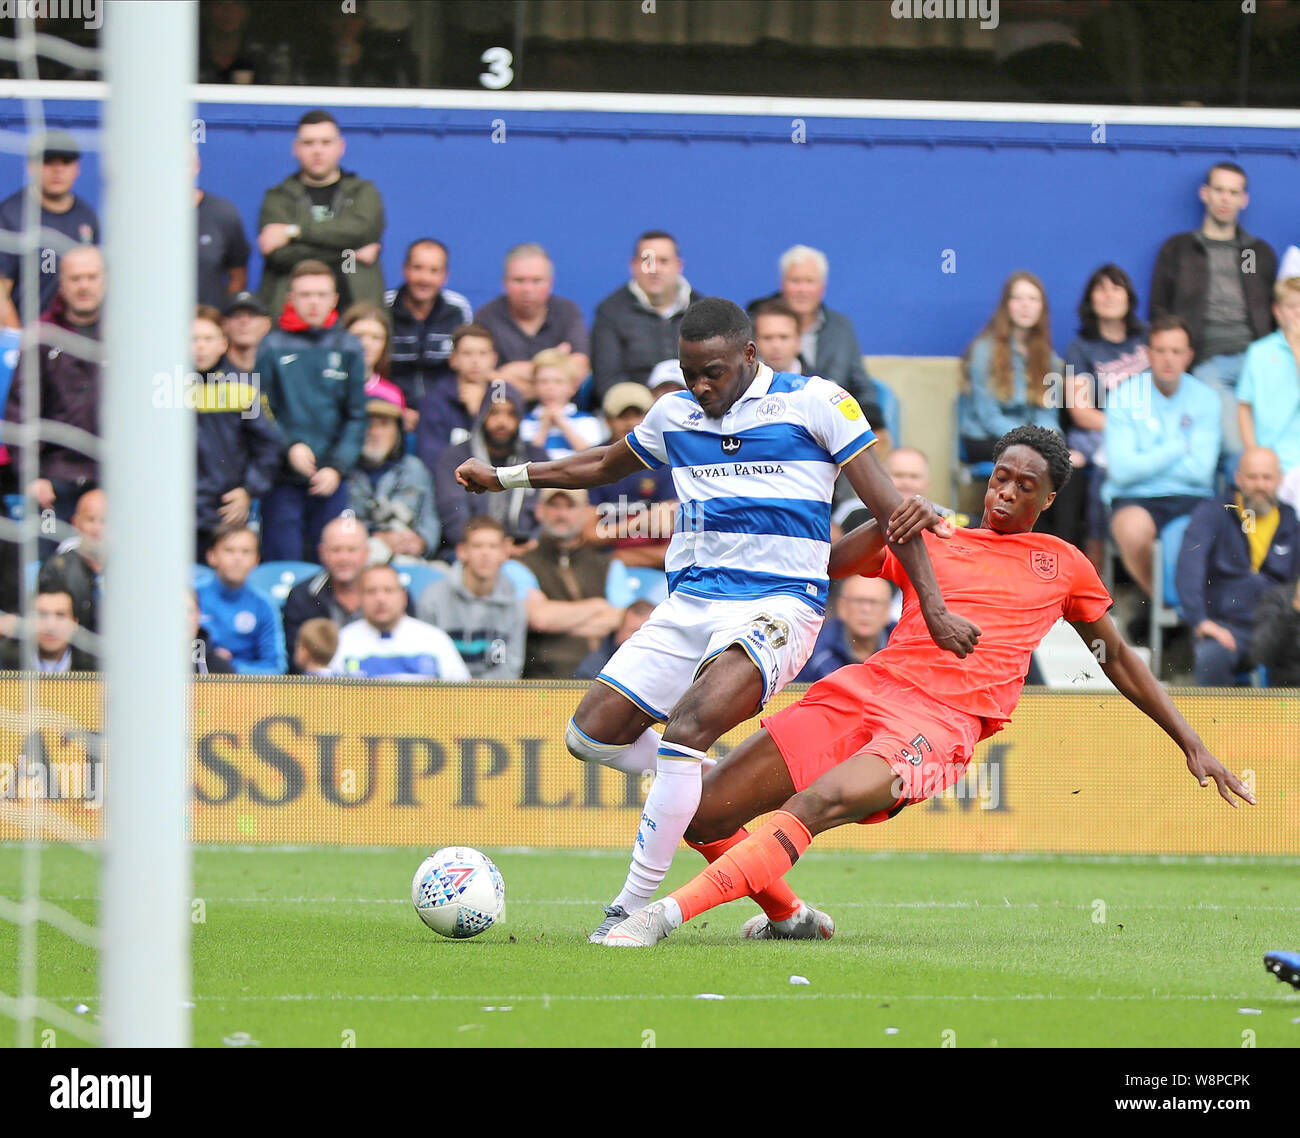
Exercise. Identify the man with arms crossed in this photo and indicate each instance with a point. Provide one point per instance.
(754, 456)
(875, 737)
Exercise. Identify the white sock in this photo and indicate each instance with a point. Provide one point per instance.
(672, 912)
(790, 922)
(668, 810)
(639, 755)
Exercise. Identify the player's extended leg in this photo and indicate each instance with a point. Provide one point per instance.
(753, 780)
(728, 692)
(857, 788)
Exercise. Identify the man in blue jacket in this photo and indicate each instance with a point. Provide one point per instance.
(1162, 446)
(243, 624)
(1234, 552)
(314, 377)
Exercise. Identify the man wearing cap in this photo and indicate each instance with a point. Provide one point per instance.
(238, 446)
(223, 249)
(245, 323)
(494, 439)
(61, 210)
(567, 569)
(634, 516)
(390, 491)
(665, 378)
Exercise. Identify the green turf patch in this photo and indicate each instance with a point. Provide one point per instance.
(320, 947)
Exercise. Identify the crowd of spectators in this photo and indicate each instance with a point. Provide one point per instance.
(332, 415)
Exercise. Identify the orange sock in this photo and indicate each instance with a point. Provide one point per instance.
(778, 900)
(750, 867)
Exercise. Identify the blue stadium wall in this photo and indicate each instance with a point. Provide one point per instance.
(884, 197)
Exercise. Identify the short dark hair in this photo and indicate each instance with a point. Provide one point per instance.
(229, 529)
(312, 118)
(774, 307)
(55, 589)
(311, 269)
(482, 521)
(1047, 443)
(209, 313)
(716, 316)
(1231, 167)
(655, 235)
(479, 330)
(406, 260)
(1168, 322)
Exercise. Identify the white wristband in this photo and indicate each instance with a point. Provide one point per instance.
(514, 477)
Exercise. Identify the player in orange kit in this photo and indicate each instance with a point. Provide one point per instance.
(874, 737)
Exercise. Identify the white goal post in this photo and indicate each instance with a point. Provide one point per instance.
(148, 469)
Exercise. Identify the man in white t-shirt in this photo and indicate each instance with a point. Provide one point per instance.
(387, 644)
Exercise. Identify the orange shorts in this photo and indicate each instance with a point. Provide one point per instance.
(859, 710)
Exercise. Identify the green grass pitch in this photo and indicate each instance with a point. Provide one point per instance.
(317, 947)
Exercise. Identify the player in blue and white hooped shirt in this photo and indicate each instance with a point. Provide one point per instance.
(754, 457)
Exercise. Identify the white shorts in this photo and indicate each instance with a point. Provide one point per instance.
(665, 655)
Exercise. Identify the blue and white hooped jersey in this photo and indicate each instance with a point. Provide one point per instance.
(755, 486)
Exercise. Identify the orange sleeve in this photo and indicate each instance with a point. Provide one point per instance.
(892, 569)
(1088, 599)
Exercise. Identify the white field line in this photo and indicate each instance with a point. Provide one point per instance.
(1281, 860)
(500, 1001)
(589, 902)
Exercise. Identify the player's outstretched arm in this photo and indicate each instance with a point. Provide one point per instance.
(861, 552)
(949, 631)
(598, 466)
(1127, 671)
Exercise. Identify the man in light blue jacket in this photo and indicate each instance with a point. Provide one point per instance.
(1162, 437)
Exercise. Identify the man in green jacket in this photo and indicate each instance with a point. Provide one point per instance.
(321, 213)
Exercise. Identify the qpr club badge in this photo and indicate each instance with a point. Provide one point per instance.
(771, 409)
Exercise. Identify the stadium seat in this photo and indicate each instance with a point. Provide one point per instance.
(1164, 605)
(15, 506)
(416, 576)
(647, 584)
(891, 410)
(1066, 662)
(520, 576)
(276, 578)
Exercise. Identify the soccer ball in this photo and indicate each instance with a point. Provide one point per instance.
(458, 892)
